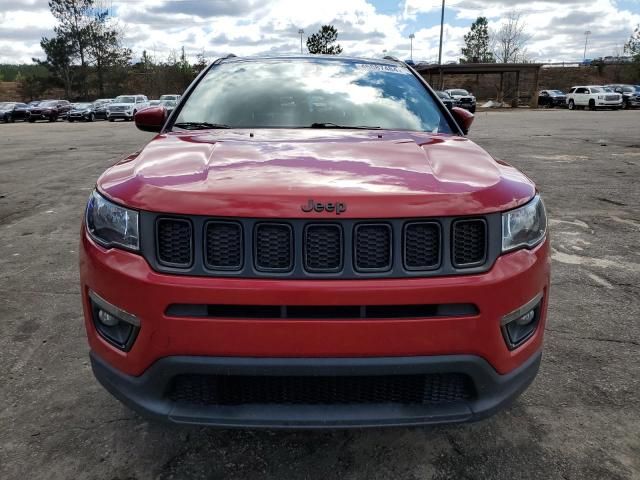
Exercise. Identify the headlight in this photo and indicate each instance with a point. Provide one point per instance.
(112, 225)
(525, 226)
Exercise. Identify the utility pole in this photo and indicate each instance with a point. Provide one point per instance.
(300, 32)
(440, 50)
(441, 31)
(586, 39)
(411, 37)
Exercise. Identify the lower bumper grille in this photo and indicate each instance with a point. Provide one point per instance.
(426, 389)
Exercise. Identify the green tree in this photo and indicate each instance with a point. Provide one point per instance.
(107, 55)
(30, 86)
(201, 62)
(59, 54)
(477, 48)
(633, 45)
(323, 41)
(75, 18)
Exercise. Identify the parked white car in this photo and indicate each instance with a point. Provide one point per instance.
(593, 97)
(126, 106)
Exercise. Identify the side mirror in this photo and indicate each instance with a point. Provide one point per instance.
(151, 119)
(463, 117)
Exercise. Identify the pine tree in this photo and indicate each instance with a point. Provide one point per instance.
(477, 48)
(323, 41)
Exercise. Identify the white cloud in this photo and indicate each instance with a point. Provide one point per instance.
(250, 27)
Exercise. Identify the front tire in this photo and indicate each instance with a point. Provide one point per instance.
(70, 120)
(592, 105)
(91, 117)
(112, 119)
(7, 118)
(52, 118)
(572, 105)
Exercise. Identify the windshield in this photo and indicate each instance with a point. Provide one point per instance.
(556, 92)
(597, 90)
(82, 106)
(125, 99)
(305, 93)
(5, 105)
(444, 95)
(48, 104)
(459, 92)
(168, 103)
(168, 97)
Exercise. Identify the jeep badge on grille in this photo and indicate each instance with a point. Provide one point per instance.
(312, 206)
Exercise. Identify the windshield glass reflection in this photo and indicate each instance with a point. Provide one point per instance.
(300, 93)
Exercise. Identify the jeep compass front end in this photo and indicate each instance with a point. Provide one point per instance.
(312, 242)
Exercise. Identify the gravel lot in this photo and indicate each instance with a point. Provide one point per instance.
(580, 419)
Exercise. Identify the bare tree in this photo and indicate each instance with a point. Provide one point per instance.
(510, 40)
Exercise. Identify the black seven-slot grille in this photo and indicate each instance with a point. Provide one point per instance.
(423, 389)
(342, 248)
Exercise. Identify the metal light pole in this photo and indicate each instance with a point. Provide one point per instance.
(300, 32)
(441, 31)
(411, 37)
(586, 39)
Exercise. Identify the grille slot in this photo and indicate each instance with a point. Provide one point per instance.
(425, 389)
(323, 248)
(422, 246)
(223, 245)
(469, 243)
(273, 247)
(372, 247)
(174, 240)
(310, 312)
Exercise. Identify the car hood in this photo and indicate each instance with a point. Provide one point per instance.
(272, 173)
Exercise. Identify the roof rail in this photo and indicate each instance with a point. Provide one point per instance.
(392, 58)
(219, 60)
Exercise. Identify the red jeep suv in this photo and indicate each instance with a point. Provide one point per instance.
(310, 242)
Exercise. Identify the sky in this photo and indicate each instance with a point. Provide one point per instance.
(371, 28)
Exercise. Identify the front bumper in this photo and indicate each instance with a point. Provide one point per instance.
(42, 116)
(167, 345)
(147, 393)
(609, 103)
(78, 116)
(127, 115)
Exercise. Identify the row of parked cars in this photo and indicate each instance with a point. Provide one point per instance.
(122, 107)
(615, 96)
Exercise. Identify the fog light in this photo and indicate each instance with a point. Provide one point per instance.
(116, 326)
(520, 325)
(107, 319)
(527, 318)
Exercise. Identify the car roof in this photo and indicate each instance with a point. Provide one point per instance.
(335, 58)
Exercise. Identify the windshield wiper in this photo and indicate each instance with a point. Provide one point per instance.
(199, 125)
(335, 125)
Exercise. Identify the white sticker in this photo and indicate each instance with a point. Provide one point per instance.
(377, 67)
